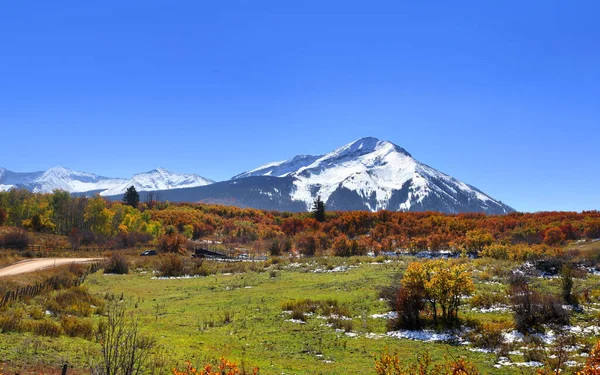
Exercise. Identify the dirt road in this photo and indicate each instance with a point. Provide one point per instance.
(39, 264)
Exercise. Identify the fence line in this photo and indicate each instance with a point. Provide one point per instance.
(48, 248)
(53, 283)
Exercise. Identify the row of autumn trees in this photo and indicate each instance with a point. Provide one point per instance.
(94, 220)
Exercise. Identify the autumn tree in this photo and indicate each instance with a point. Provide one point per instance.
(131, 197)
(410, 297)
(592, 365)
(440, 284)
(476, 240)
(172, 241)
(275, 248)
(307, 244)
(60, 203)
(394, 364)
(318, 209)
(341, 247)
(554, 236)
(98, 218)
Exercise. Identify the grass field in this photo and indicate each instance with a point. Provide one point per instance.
(240, 316)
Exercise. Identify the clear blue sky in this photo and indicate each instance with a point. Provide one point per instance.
(504, 95)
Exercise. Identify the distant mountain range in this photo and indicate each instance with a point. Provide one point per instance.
(81, 182)
(367, 174)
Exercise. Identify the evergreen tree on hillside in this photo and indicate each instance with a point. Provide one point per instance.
(131, 197)
(318, 209)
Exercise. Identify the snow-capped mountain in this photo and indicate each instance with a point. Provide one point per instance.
(281, 168)
(69, 180)
(367, 174)
(80, 182)
(370, 174)
(159, 179)
(10, 179)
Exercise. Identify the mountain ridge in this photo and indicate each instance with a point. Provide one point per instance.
(73, 181)
(378, 174)
(366, 174)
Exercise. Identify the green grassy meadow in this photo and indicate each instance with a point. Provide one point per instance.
(239, 316)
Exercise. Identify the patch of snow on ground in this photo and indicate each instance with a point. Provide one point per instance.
(387, 315)
(495, 308)
(336, 269)
(170, 277)
(529, 364)
(297, 321)
(515, 336)
(340, 317)
(424, 335)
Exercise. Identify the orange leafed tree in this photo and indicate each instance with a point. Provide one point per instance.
(592, 366)
(223, 368)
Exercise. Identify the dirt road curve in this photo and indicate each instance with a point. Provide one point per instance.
(39, 264)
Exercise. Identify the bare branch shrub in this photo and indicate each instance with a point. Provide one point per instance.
(124, 350)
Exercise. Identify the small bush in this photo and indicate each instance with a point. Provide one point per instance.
(47, 327)
(171, 265)
(132, 239)
(73, 301)
(408, 305)
(298, 314)
(198, 267)
(12, 321)
(15, 239)
(36, 312)
(118, 264)
(172, 242)
(532, 310)
(76, 327)
(340, 323)
(567, 285)
(487, 337)
(301, 308)
(535, 354)
(486, 300)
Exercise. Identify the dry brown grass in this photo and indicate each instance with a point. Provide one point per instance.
(9, 257)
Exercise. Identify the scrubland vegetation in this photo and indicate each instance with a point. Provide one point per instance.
(330, 315)
(437, 294)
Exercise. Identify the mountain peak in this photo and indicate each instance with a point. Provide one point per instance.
(159, 170)
(375, 174)
(364, 146)
(370, 144)
(59, 168)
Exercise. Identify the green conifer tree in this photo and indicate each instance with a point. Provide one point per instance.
(131, 197)
(318, 209)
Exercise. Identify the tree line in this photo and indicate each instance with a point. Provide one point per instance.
(98, 221)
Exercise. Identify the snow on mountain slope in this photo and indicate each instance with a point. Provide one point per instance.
(10, 179)
(280, 168)
(375, 175)
(71, 181)
(6, 187)
(79, 182)
(158, 179)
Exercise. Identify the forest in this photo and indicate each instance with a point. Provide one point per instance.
(113, 225)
